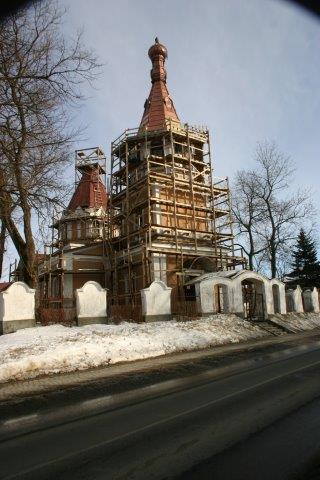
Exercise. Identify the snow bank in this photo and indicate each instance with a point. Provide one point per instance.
(53, 349)
(298, 322)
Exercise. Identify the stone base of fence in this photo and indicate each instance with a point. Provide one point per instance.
(11, 326)
(81, 321)
(157, 318)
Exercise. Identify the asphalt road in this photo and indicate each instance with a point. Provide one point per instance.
(199, 427)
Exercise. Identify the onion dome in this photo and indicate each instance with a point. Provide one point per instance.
(158, 107)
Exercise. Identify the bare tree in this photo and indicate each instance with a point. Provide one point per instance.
(275, 213)
(247, 215)
(40, 79)
(283, 212)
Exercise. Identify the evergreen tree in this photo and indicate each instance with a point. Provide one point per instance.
(306, 268)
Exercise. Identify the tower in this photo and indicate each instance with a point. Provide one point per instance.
(76, 253)
(169, 218)
(84, 220)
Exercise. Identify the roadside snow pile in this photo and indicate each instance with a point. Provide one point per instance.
(297, 322)
(32, 352)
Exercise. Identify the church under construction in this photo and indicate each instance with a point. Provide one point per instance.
(161, 215)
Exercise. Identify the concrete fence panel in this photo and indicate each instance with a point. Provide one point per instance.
(91, 303)
(294, 300)
(156, 302)
(311, 300)
(17, 308)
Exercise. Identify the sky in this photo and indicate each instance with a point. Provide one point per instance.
(247, 69)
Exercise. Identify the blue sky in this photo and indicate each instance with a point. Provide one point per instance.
(248, 69)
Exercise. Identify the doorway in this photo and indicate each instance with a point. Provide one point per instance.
(253, 300)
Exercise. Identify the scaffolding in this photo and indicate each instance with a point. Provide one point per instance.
(169, 217)
(84, 226)
(90, 158)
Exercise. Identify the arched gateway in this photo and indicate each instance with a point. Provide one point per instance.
(246, 293)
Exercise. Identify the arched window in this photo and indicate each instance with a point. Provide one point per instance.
(69, 231)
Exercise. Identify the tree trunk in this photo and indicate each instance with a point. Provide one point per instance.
(2, 245)
(251, 252)
(26, 252)
(25, 248)
(273, 262)
(250, 259)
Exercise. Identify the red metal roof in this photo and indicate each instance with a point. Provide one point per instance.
(159, 106)
(90, 191)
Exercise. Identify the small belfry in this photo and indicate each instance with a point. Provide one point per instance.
(83, 220)
(75, 254)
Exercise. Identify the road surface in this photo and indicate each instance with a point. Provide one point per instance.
(192, 427)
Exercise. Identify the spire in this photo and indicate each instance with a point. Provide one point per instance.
(90, 191)
(159, 106)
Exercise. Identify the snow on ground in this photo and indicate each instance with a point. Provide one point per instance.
(297, 322)
(32, 352)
